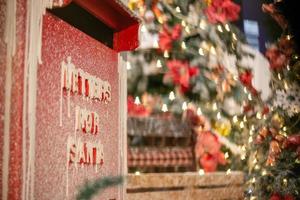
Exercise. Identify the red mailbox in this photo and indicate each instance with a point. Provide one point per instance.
(64, 116)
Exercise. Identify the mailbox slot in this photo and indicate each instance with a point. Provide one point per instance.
(81, 19)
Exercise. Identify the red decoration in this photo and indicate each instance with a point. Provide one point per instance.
(277, 59)
(180, 73)
(266, 110)
(168, 36)
(271, 9)
(208, 149)
(277, 196)
(199, 122)
(222, 11)
(246, 79)
(136, 110)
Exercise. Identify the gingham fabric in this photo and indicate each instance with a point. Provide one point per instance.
(168, 157)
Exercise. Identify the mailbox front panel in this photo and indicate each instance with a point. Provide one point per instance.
(77, 113)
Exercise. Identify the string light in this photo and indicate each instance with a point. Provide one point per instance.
(219, 115)
(226, 155)
(164, 108)
(215, 107)
(201, 52)
(143, 29)
(288, 67)
(234, 36)
(286, 86)
(137, 173)
(242, 125)
(183, 23)
(250, 97)
(284, 128)
(220, 28)
(258, 115)
(245, 119)
(235, 119)
(199, 111)
(166, 54)
(183, 46)
(250, 140)
(251, 132)
(155, 44)
(228, 172)
(264, 172)
(172, 96)
(245, 90)
(158, 64)
(187, 29)
(128, 65)
(253, 180)
(201, 172)
(178, 9)
(252, 128)
(184, 106)
(202, 24)
(254, 161)
(243, 156)
(227, 27)
(137, 100)
(279, 76)
(285, 182)
(213, 50)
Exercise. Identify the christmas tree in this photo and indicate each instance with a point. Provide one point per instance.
(274, 169)
(194, 64)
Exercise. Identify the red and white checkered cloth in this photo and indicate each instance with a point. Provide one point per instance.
(166, 157)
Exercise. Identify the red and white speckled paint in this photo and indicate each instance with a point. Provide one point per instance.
(60, 40)
(49, 140)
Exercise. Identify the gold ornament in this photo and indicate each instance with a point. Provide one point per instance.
(277, 121)
(223, 127)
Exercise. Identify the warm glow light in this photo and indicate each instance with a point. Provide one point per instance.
(201, 172)
(172, 96)
(183, 45)
(215, 107)
(164, 108)
(235, 119)
(220, 28)
(137, 101)
(202, 24)
(184, 106)
(219, 115)
(128, 65)
(201, 52)
(137, 173)
(158, 64)
(227, 27)
(228, 172)
(199, 111)
(166, 54)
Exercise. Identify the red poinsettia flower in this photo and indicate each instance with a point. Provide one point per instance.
(168, 35)
(246, 78)
(222, 11)
(277, 59)
(208, 150)
(180, 73)
(136, 110)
